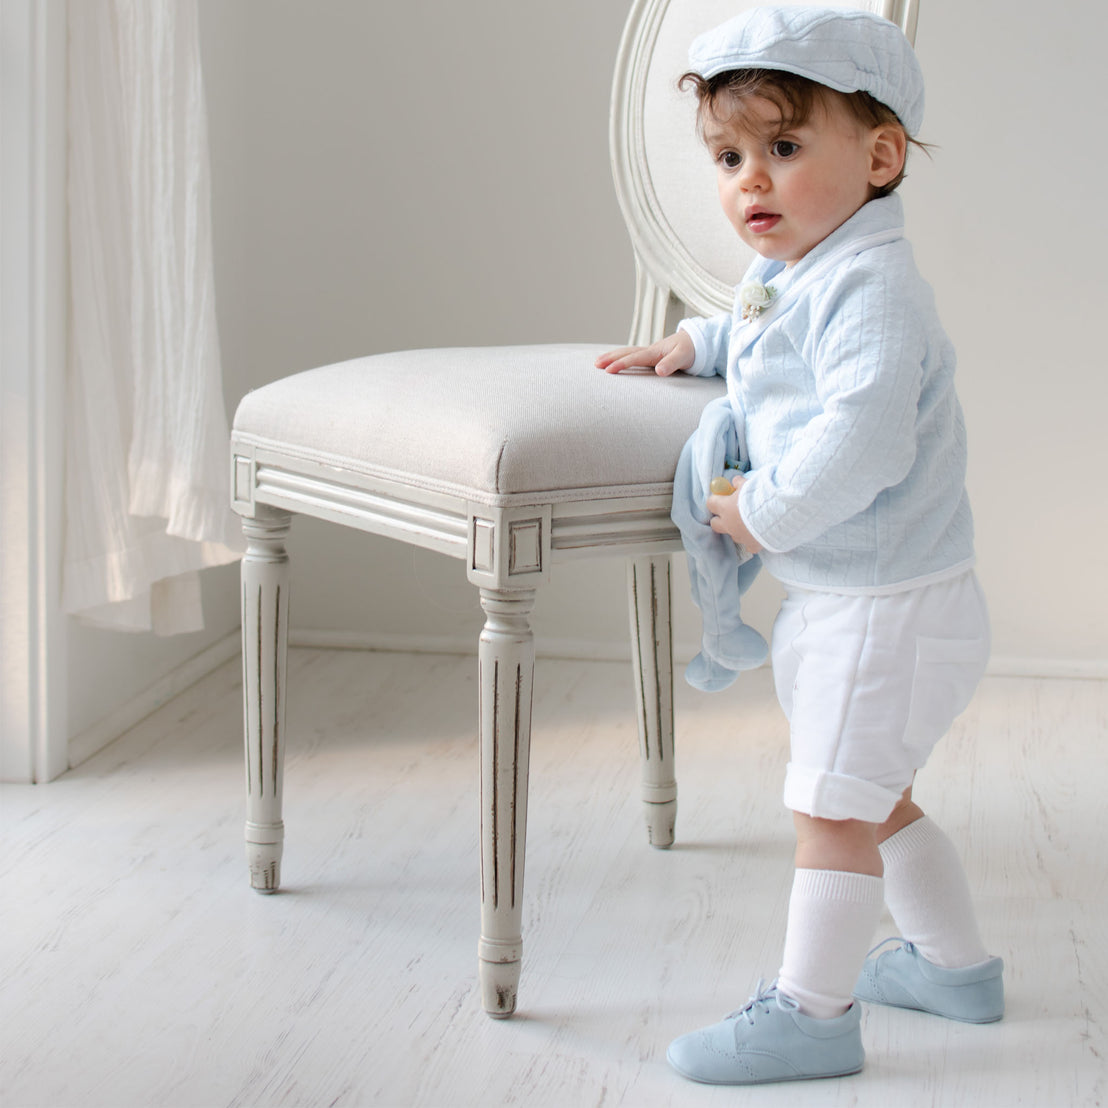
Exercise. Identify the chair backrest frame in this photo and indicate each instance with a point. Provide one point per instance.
(670, 281)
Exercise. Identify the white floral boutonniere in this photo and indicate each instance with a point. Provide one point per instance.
(755, 297)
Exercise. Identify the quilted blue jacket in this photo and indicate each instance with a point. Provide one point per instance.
(842, 390)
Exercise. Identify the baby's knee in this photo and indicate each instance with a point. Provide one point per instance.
(847, 844)
(906, 811)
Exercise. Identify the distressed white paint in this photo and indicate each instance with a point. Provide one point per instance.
(265, 634)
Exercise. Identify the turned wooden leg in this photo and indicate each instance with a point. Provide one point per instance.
(265, 602)
(506, 665)
(649, 596)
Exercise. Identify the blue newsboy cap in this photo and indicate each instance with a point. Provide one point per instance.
(846, 49)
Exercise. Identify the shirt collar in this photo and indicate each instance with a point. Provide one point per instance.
(885, 214)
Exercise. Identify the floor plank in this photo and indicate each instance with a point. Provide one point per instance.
(138, 969)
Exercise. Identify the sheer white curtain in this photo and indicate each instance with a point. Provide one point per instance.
(146, 496)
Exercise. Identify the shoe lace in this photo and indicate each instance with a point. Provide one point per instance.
(904, 944)
(761, 1001)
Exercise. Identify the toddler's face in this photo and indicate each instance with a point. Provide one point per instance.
(784, 190)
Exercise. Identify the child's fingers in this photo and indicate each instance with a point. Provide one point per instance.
(614, 364)
(666, 356)
(610, 356)
(623, 358)
(667, 365)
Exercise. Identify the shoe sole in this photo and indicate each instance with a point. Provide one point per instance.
(929, 1011)
(764, 1081)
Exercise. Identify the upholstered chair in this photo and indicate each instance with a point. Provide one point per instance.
(512, 460)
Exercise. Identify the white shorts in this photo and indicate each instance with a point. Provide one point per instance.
(869, 685)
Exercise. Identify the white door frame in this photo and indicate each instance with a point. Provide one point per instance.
(33, 333)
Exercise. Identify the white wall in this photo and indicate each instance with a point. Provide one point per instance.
(1010, 224)
(417, 175)
(432, 174)
(115, 678)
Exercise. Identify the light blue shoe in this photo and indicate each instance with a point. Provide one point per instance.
(903, 978)
(770, 1040)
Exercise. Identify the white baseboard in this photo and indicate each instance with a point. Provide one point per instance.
(1091, 669)
(95, 738)
(591, 650)
(586, 650)
(372, 640)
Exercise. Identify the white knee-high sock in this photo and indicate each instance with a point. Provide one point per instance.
(832, 916)
(929, 897)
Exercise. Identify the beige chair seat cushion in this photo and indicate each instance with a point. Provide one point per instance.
(490, 423)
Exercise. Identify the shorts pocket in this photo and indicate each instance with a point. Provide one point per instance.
(946, 676)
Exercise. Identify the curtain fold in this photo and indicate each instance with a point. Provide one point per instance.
(146, 471)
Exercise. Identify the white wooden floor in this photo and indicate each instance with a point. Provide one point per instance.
(138, 969)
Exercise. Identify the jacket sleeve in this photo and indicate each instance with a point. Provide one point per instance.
(711, 337)
(866, 348)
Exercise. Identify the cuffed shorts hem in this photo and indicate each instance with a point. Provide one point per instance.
(825, 795)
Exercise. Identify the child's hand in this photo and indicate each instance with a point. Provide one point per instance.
(666, 356)
(727, 520)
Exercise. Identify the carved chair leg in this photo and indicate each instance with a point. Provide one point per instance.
(265, 594)
(649, 598)
(506, 666)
